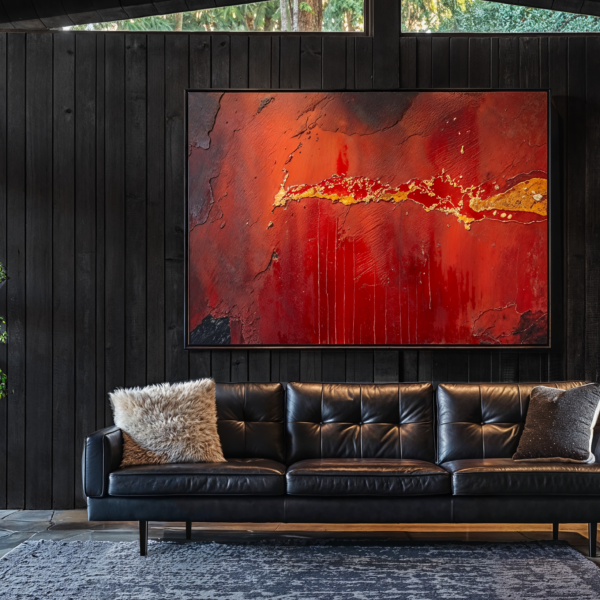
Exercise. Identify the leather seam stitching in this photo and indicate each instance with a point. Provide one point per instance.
(482, 429)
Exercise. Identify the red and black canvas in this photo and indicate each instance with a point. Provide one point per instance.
(367, 218)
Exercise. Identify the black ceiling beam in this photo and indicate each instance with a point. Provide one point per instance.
(52, 14)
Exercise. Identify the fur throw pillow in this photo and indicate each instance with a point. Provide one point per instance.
(168, 423)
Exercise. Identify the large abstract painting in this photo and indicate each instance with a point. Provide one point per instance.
(367, 218)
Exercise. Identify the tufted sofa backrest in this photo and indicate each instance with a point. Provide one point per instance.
(250, 420)
(359, 421)
(484, 420)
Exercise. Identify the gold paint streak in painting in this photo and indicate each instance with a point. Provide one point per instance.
(527, 196)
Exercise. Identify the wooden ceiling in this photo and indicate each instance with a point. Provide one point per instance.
(51, 14)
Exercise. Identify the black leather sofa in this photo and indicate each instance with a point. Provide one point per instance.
(352, 453)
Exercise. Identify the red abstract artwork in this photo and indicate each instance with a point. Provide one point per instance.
(367, 218)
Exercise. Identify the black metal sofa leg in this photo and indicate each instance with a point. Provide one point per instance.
(188, 530)
(143, 538)
(555, 531)
(592, 534)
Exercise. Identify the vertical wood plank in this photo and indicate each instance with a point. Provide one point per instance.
(115, 215)
(200, 67)
(176, 78)
(480, 56)
(495, 63)
(386, 366)
(423, 62)
(199, 364)
(3, 260)
(359, 366)
(440, 56)
(311, 365)
(350, 49)
(509, 367)
(310, 62)
(408, 62)
(386, 50)
(259, 365)
(38, 264)
(275, 61)
(508, 60)
(458, 366)
(544, 57)
(410, 365)
(439, 367)
(529, 367)
(135, 209)
(363, 63)
(558, 83)
(260, 62)
(155, 209)
(334, 365)
(529, 77)
(200, 77)
(459, 62)
(63, 272)
(574, 199)
(425, 365)
(85, 251)
(529, 62)
(480, 366)
(101, 396)
(592, 212)
(221, 365)
(239, 61)
(289, 62)
(289, 365)
(220, 60)
(334, 63)
(239, 365)
(15, 263)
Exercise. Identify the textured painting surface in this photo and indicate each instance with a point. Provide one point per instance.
(380, 218)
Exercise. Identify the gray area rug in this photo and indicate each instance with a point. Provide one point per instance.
(296, 570)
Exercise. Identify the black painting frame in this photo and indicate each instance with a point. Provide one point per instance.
(554, 234)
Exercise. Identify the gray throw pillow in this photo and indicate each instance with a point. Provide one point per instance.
(559, 424)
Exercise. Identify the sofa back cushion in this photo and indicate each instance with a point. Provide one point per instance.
(359, 421)
(484, 420)
(250, 420)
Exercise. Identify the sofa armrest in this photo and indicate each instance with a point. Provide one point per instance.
(102, 454)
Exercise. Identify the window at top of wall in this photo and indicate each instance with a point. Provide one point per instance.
(481, 16)
(274, 15)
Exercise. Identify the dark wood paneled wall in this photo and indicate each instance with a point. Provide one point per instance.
(92, 225)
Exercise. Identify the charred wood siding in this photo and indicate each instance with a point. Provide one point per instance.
(92, 225)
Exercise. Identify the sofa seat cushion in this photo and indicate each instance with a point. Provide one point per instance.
(366, 477)
(238, 476)
(504, 476)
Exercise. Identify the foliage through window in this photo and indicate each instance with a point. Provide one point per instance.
(481, 16)
(273, 15)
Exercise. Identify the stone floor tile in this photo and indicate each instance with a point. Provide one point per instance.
(94, 526)
(78, 516)
(56, 536)
(113, 536)
(12, 541)
(24, 526)
(5, 513)
(30, 515)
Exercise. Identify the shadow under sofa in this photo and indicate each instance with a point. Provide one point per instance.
(352, 453)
